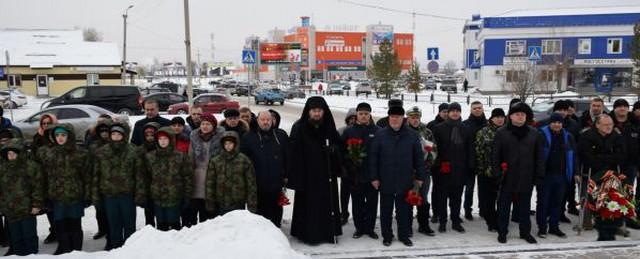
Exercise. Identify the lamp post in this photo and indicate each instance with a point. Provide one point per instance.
(123, 76)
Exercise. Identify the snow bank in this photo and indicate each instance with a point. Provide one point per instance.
(238, 234)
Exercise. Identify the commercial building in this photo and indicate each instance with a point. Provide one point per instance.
(581, 49)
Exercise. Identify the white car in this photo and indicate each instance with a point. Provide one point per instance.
(18, 99)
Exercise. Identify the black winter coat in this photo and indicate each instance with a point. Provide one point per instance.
(358, 173)
(268, 152)
(137, 137)
(601, 153)
(629, 131)
(524, 159)
(396, 159)
(459, 156)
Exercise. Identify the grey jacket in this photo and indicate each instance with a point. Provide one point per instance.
(201, 151)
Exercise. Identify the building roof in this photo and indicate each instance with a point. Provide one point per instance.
(42, 48)
(565, 17)
(570, 11)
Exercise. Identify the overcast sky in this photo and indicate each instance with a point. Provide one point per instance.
(156, 27)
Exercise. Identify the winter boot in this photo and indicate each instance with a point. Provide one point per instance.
(76, 240)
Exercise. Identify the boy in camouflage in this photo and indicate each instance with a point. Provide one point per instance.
(21, 196)
(231, 181)
(116, 179)
(68, 185)
(170, 184)
(149, 144)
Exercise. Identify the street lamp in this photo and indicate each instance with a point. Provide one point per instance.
(123, 76)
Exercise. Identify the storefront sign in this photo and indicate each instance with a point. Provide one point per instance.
(603, 62)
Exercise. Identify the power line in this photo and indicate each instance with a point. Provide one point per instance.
(402, 11)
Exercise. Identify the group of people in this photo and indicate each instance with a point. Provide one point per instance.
(187, 171)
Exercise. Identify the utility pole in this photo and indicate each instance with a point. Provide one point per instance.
(187, 43)
(123, 76)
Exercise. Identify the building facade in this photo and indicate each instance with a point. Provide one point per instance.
(585, 50)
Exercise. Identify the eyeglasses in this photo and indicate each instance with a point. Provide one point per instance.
(194, 114)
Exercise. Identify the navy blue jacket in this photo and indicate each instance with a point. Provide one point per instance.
(137, 137)
(268, 152)
(366, 133)
(396, 159)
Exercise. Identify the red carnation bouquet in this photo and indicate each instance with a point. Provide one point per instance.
(445, 167)
(504, 166)
(612, 199)
(356, 150)
(283, 200)
(413, 196)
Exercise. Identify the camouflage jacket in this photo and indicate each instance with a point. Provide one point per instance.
(428, 144)
(483, 148)
(67, 170)
(169, 174)
(20, 184)
(118, 169)
(231, 180)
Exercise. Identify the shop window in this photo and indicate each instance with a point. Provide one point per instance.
(93, 79)
(513, 75)
(551, 47)
(614, 46)
(15, 80)
(515, 48)
(584, 46)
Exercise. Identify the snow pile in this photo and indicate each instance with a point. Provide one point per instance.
(237, 234)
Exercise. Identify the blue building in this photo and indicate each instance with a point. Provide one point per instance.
(586, 49)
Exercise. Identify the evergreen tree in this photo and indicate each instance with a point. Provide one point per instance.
(385, 68)
(415, 79)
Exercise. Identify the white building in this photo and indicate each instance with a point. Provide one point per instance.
(584, 49)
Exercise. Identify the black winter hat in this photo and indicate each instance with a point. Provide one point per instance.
(363, 107)
(395, 110)
(394, 102)
(178, 120)
(560, 105)
(455, 107)
(443, 106)
(620, 102)
(315, 102)
(102, 128)
(570, 103)
(231, 113)
(636, 105)
(556, 117)
(497, 112)
(518, 107)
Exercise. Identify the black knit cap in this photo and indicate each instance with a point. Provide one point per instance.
(560, 105)
(314, 103)
(178, 120)
(636, 105)
(394, 102)
(443, 106)
(497, 112)
(231, 113)
(395, 110)
(620, 102)
(363, 107)
(455, 107)
(518, 107)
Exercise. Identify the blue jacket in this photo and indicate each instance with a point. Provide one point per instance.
(396, 159)
(571, 150)
(268, 152)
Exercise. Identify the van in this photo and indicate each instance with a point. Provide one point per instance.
(125, 100)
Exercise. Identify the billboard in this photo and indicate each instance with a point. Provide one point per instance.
(380, 33)
(280, 53)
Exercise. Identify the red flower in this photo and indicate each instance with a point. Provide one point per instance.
(283, 200)
(428, 149)
(504, 166)
(445, 167)
(414, 198)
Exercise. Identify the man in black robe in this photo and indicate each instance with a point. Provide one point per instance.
(314, 165)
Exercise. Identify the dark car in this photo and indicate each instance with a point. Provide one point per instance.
(173, 87)
(115, 98)
(241, 91)
(449, 85)
(166, 99)
(543, 110)
(153, 90)
(294, 92)
(210, 103)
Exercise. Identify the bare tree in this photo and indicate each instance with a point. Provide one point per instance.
(449, 68)
(524, 79)
(91, 34)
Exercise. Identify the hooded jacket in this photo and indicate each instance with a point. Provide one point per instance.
(21, 183)
(484, 149)
(170, 173)
(118, 170)
(241, 128)
(230, 181)
(201, 151)
(67, 169)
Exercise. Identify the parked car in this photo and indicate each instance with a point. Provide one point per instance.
(269, 96)
(346, 87)
(81, 116)
(241, 91)
(166, 99)
(13, 98)
(430, 84)
(294, 92)
(210, 103)
(115, 98)
(335, 88)
(173, 87)
(543, 110)
(153, 90)
(449, 85)
(363, 88)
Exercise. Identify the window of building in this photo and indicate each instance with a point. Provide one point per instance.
(513, 75)
(516, 48)
(547, 75)
(614, 46)
(551, 47)
(93, 79)
(15, 80)
(584, 46)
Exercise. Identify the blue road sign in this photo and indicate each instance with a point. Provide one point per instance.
(248, 57)
(433, 54)
(433, 67)
(1, 72)
(535, 53)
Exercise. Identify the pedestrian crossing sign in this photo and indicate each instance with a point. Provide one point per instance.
(535, 53)
(248, 57)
